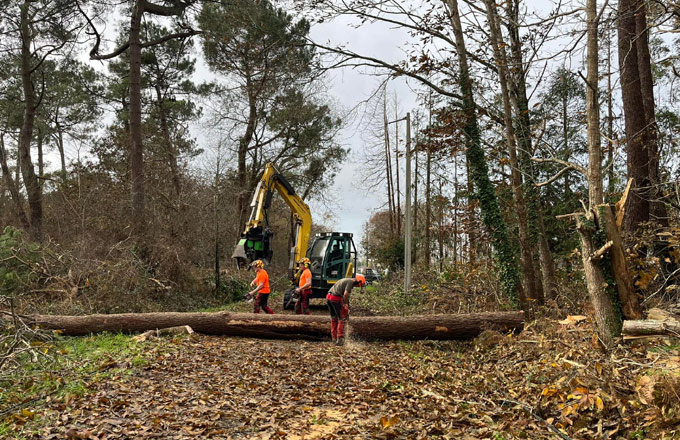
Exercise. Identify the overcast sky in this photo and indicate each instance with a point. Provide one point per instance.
(355, 203)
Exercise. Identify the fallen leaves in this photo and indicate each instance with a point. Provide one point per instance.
(235, 388)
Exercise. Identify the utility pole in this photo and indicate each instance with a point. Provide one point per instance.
(407, 239)
(407, 214)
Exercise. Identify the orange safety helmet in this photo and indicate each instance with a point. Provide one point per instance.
(257, 263)
(304, 261)
(360, 279)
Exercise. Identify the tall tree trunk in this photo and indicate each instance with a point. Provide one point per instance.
(657, 206)
(611, 188)
(543, 261)
(60, 147)
(137, 178)
(547, 264)
(41, 159)
(456, 244)
(515, 176)
(595, 191)
(396, 168)
(31, 183)
(440, 232)
(169, 146)
(244, 142)
(565, 141)
(471, 218)
(607, 315)
(637, 210)
(415, 202)
(428, 190)
(17, 200)
(388, 167)
(486, 193)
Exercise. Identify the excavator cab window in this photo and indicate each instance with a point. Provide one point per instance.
(317, 255)
(338, 257)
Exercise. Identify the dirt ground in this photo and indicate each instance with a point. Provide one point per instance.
(551, 381)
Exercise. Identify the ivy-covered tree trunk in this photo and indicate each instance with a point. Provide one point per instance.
(520, 102)
(593, 237)
(526, 254)
(485, 192)
(600, 290)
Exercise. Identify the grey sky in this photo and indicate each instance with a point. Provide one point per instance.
(355, 203)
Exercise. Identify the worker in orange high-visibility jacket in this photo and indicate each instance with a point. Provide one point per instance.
(338, 305)
(262, 290)
(305, 288)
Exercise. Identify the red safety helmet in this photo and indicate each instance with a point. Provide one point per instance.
(257, 263)
(360, 279)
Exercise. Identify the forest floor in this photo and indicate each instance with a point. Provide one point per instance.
(550, 381)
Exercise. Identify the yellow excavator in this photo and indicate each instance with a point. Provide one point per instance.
(332, 255)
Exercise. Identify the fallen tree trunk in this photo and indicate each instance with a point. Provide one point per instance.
(661, 315)
(281, 326)
(651, 327)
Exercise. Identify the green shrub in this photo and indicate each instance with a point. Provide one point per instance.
(19, 262)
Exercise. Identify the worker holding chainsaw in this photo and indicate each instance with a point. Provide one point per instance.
(338, 305)
(304, 291)
(262, 290)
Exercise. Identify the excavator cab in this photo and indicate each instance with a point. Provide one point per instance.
(332, 256)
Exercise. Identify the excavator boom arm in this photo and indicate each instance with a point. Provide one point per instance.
(255, 242)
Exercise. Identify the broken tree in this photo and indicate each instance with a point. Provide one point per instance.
(442, 327)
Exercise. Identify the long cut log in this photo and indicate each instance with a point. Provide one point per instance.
(441, 327)
(650, 327)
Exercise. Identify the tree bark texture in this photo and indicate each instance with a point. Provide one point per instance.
(595, 190)
(657, 206)
(11, 185)
(661, 315)
(628, 298)
(388, 166)
(637, 210)
(428, 202)
(397, 192)
(485, 191)
(171, 151)
(650, 328)
(31, 183)
(243, 144)
(440, 327)
(137, 178)
(545, 277)
(526, 253)
(607, 318)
